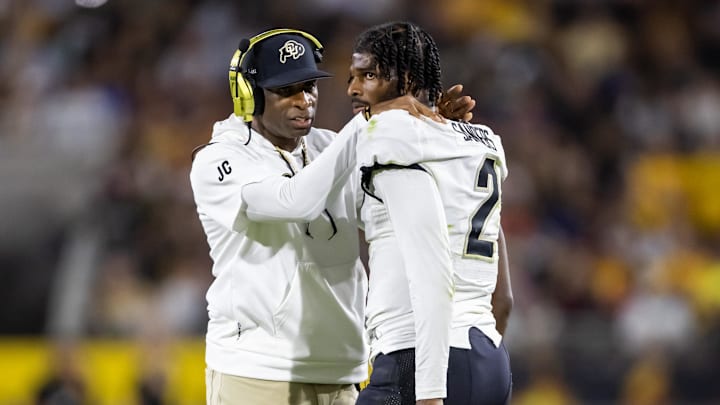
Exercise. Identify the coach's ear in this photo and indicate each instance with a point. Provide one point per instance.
(456, 106)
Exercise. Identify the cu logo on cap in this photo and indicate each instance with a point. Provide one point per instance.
(291, 49)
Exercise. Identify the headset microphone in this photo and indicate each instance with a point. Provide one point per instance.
(244, 45)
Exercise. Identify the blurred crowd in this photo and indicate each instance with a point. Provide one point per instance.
(609, 111)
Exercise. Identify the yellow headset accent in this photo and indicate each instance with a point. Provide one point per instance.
(241, 89)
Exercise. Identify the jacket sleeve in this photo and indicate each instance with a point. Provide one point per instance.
(304, 196)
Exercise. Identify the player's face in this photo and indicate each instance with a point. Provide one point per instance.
(365, 86)
(289, 113)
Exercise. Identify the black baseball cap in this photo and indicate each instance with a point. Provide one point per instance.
(283, 60)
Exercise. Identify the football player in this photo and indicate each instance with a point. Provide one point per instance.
(432, 218)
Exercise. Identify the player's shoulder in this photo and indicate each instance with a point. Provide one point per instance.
(489, 132)
(391, 137)
(392, 120)
(484, 141)
(393, 127)
(474, 134)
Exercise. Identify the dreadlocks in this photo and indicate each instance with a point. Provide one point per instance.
(406, 50)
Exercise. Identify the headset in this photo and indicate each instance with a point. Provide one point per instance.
(242, 84)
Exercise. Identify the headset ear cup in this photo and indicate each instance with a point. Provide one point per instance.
(240, 90)
(244, 103)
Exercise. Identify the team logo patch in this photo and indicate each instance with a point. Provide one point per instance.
(291, 49)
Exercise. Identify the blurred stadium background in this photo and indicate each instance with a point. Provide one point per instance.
(610, 115)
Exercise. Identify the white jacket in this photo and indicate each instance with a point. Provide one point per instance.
(287, 302)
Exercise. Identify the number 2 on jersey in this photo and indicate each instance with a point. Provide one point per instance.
(475, 246)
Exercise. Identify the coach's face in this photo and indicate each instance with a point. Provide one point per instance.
(289, 113)
(365, 86)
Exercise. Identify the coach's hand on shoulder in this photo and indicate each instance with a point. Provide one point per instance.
(455, 106)
(434, 401)
(410, 104)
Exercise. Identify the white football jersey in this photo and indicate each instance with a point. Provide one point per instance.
(287, 302)
(467, 162)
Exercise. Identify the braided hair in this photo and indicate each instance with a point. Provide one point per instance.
(406, 50)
